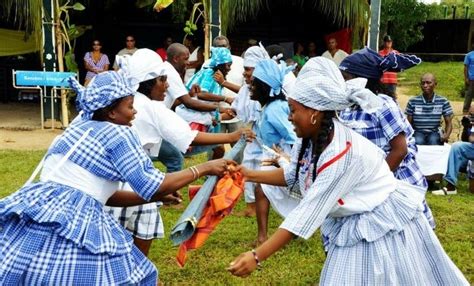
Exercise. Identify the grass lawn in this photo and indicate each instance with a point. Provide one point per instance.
(450, 77)
(298, 264)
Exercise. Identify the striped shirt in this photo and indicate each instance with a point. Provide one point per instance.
(427, 114)
(388, 77)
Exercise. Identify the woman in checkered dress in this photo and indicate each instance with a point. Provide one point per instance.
(377, 232)
(387, 127)
(55, 231)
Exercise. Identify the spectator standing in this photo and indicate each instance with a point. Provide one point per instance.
(312, 50)
(95, 62)
(424, 113)
(389, 79)
(299, 56)
(469, 80)
(129, 49)
(162, 51)
(333, 53)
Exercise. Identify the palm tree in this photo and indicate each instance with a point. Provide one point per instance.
(347, 13)
(352, 13)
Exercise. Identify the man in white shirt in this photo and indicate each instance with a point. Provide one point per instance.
(129, 49)
(333, 53)
(175, 68)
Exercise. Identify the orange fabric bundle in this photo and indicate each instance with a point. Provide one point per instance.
(221, 202)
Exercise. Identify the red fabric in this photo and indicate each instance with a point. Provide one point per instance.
(388, 77)
(198, 127)
(192, 191)
(162, 53)
(343, 38)
(330, 162)
(337, 157)
(223, 199)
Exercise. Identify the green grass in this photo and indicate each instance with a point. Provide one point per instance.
(300, 263)
(450, 77)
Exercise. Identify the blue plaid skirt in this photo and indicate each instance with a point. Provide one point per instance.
(55, 234)
(391, 245)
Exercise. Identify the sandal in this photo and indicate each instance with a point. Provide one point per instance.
(444, 192)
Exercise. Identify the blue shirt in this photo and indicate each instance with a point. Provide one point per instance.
(427, 115)
(469, 62)
(273, 126)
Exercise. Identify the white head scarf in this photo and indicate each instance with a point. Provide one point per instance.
(320, 86)
(143, 65)
(255, 54)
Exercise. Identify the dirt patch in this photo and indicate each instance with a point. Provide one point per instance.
(20, 126)
(36, 139)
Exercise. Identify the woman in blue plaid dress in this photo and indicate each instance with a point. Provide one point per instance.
(376, 230)
(387, 127)
(55, 231)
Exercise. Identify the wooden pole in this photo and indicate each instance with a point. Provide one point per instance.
(60, 55)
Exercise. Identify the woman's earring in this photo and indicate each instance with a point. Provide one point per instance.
(313, 119)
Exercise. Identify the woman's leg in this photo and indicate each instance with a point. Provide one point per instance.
(262, 208)
(142, 244)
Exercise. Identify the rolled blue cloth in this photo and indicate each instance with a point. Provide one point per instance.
(186, 225)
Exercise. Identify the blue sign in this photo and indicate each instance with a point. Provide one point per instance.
(43, 78)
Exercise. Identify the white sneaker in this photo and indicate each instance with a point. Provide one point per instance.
(444, 191)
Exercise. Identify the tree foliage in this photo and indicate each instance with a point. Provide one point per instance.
(444, 10)
(403, 20)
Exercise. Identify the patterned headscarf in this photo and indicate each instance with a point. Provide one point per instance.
(102, 90)
(369, 64)
(143, 65)
(219, 55)
(255, 54)
(272, 74)
(320, 86)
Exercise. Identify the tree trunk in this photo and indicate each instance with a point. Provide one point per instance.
(60, 56)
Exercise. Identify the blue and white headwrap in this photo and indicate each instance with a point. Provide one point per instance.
(255, 54)
(219, 55)
(103, 90)
(369, 64)
(272, 74)
(320, 86)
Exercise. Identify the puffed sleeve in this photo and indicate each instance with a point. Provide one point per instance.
(130, 160)
(392, 121)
